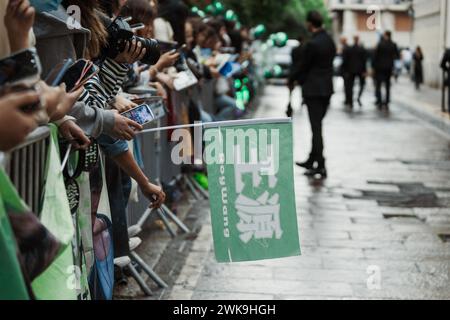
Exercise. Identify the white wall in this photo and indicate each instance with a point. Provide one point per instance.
(428, 32)
(448, 25)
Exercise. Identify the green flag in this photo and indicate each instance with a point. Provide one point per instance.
(60, 280)
(251, 187)
(12, 282)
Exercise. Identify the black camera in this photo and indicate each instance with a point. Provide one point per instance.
(120, 32)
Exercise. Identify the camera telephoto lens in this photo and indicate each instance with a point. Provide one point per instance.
(153, 53)
(120, 33)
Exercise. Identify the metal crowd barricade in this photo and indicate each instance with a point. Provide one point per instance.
(158, 144)
(150, 148)
(26, 164)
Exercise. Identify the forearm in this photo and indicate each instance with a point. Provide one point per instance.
(102, 88)
(17, 45)
(93, 120)
(127, 163)
(112, 76)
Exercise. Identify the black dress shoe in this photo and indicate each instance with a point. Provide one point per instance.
(322, 172)
(309, 164)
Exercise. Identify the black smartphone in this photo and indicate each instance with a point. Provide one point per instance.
(78, 74)
(23, 67)
(55, 76)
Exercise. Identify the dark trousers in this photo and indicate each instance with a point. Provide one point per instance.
(317, 109)
(347, 89)
(351, 84)
(118, 203)
(448, 97)
(383, 78)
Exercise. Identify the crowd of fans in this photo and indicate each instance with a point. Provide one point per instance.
(92, 113)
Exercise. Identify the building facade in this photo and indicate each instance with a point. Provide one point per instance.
(431, 32)
(369, 18)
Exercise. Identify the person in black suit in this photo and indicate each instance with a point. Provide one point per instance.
(383, 64)
(445, 65)
(315, 74)
(344, 69)
(356, 56)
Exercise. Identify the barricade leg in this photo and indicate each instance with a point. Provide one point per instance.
(191, 187)
(174, 218)
(166, 222)
(148, 270)
(139, 280)
(144, 217)
(203, 192)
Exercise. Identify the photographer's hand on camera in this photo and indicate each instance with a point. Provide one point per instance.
(132, 53)
(15, 124)
(125, 128)
(154, 193)
(19, 19)
(71, 132)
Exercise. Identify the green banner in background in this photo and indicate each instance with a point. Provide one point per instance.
(251, 187)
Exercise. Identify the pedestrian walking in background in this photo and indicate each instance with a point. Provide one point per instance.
(315, 74)
(344, 69)
(445, 65)
(418, 68)
(386, 53)
(407, 59)
(356, 56)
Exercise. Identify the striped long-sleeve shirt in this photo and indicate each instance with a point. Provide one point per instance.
(102, 89)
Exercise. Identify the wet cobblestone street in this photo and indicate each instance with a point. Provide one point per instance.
(378, 227)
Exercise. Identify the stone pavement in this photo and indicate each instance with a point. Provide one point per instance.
(378, 227)
(425, 103)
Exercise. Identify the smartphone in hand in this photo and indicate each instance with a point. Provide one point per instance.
(73, 74)
(142, 114)
(79, 74)
(22, 68)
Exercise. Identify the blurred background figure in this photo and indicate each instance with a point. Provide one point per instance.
(385, 55)
(407, 59)
(112, 7)
(356, 60)
(172, 16)
(342, 52)
(445, 65)
(418, 67)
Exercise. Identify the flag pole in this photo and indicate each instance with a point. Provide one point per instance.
(217, 124)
